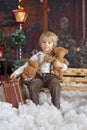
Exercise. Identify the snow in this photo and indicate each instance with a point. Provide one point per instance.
(72, 114)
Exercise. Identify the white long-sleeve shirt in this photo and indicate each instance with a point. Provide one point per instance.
(39, 57)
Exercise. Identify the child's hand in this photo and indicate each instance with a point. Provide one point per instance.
(13, 76)
(58, 64)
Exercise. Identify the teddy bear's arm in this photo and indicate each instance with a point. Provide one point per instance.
(58, 73)
(66, 61)
(39, 72)
(50, 59)
(24, 76)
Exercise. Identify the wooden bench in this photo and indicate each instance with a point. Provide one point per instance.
(75, 79)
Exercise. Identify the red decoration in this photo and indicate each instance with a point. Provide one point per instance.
(48, 10)
(41, 1)
(1, 52)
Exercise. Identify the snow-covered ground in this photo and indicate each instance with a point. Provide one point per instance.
(71, 116)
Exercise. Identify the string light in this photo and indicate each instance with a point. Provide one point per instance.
(41, 1)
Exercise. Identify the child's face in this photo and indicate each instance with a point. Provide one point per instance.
(47, 45)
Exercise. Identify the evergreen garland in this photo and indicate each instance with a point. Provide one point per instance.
(18, 39)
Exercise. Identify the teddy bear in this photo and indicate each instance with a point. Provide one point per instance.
(31, 70)
(58, 54)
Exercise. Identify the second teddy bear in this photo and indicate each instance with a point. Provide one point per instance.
(31, 70)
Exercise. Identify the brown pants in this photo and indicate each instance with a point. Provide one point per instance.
(48, 80)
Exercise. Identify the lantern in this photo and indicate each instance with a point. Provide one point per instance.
(20, 16)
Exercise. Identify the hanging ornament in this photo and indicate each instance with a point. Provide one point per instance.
(48, 10)
(19, 1)
(20, 7)
(41, 1)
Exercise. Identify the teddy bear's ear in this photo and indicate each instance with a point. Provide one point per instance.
(55, 50)
(67, 51)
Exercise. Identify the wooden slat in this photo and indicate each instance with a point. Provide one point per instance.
(76, 71)
(74, 80)
(68, 88)
(76, 89)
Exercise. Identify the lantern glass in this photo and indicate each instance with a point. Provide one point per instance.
(20, 15)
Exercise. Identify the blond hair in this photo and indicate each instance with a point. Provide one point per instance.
(51, 35)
